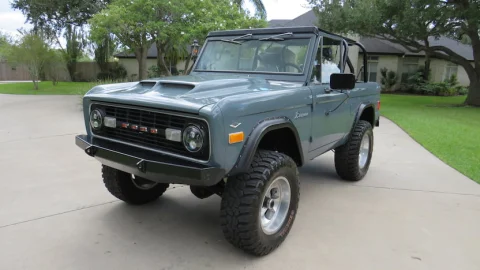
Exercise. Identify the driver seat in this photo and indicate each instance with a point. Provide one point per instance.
(274, 61)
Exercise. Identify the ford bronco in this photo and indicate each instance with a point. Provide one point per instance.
(257, 105)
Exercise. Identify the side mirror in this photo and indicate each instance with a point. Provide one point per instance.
(342, 81)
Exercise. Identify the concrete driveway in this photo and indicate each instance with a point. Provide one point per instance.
(410, 212)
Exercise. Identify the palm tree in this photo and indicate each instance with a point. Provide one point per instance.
(258, 4)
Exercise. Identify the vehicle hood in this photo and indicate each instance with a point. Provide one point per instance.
(185, 93)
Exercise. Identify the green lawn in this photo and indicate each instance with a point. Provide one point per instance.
(450, 133)
(47, 88)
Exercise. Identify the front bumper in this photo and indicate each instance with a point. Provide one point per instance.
(153, 166)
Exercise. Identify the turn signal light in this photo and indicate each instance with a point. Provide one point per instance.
(235, 137)
(378, 105)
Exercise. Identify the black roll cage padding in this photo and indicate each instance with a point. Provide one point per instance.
(365, 63)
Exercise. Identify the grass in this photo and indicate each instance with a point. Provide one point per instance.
(451, 133)
(47, 88)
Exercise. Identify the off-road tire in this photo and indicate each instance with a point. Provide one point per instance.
(242, 201)
(120, 185)
(347, 155)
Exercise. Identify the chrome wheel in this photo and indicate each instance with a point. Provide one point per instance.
(364, 151)
(275, 205)
(142, 183)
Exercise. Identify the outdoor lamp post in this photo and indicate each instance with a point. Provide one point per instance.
(194, 50)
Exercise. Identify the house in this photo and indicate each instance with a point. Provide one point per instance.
(381, 54)
(385, 54)
(128, 60)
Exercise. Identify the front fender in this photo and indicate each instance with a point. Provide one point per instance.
(250, 146)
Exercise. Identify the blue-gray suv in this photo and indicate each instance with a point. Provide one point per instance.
(257, 104)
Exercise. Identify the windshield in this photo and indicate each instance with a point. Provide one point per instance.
(262, 56)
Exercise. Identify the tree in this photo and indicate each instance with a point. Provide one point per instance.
(33, 52)
(176, 29)
(171, 25)
(103, 50)
(414, 24)
(131, 23)
(55, 65)
(257, 4)
(59, 18)
(5, 43)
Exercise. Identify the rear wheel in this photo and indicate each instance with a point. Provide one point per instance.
(352, 160)
(259, 207)
(131, 189)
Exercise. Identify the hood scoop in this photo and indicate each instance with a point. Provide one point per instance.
(185, 87)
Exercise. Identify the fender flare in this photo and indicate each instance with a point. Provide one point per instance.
(250, 146)
(359, 113)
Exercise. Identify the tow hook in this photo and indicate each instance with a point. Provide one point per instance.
(91, 150)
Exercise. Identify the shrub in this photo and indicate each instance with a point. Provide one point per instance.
(438, 89)
(389, 79)
(453, 81)
(115, 72)
(461, 90)
(154, 71)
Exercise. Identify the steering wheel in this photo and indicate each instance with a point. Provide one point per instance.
(295, 66)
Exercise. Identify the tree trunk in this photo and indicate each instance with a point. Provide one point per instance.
(473, 96)
(162, 66)
(141, 55)
(426, 71)
(35, 84)
(71, 66)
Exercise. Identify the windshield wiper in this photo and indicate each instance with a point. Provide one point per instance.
(233, 39)
(277, 37)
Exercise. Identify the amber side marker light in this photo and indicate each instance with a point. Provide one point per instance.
(235, 137)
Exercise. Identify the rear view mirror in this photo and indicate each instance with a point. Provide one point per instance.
(342, 81)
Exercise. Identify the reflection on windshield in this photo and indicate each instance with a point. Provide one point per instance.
(279, 56)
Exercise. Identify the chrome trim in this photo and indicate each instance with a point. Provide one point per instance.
(149, 148)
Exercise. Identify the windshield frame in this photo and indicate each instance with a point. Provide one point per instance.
(300, 77)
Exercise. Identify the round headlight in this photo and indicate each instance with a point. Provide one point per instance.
(193, 138)
(96, 119)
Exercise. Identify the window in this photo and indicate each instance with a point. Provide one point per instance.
(329, 55)
(372, 64)
(410, 67)
(451, 70)
(284, 56)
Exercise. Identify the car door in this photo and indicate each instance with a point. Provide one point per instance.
(331, 110)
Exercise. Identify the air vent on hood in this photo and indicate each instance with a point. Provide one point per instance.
(177, 86)
(147, 84)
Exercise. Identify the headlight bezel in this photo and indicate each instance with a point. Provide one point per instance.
(100, 114)
(199, 131)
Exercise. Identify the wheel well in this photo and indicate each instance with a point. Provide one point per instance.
(368, 115)
(284, 141)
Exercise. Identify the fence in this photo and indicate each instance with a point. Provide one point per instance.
(85, 71)
(11, 72)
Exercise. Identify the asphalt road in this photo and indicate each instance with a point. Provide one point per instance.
(410, 212)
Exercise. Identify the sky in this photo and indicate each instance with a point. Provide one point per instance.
(11, 20)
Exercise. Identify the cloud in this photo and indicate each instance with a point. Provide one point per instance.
(10, 21)
(282, 9)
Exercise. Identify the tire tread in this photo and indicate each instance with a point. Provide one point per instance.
(242, 194)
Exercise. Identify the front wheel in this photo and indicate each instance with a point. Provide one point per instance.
(259, 207)
(352, 160)
(131, 189)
